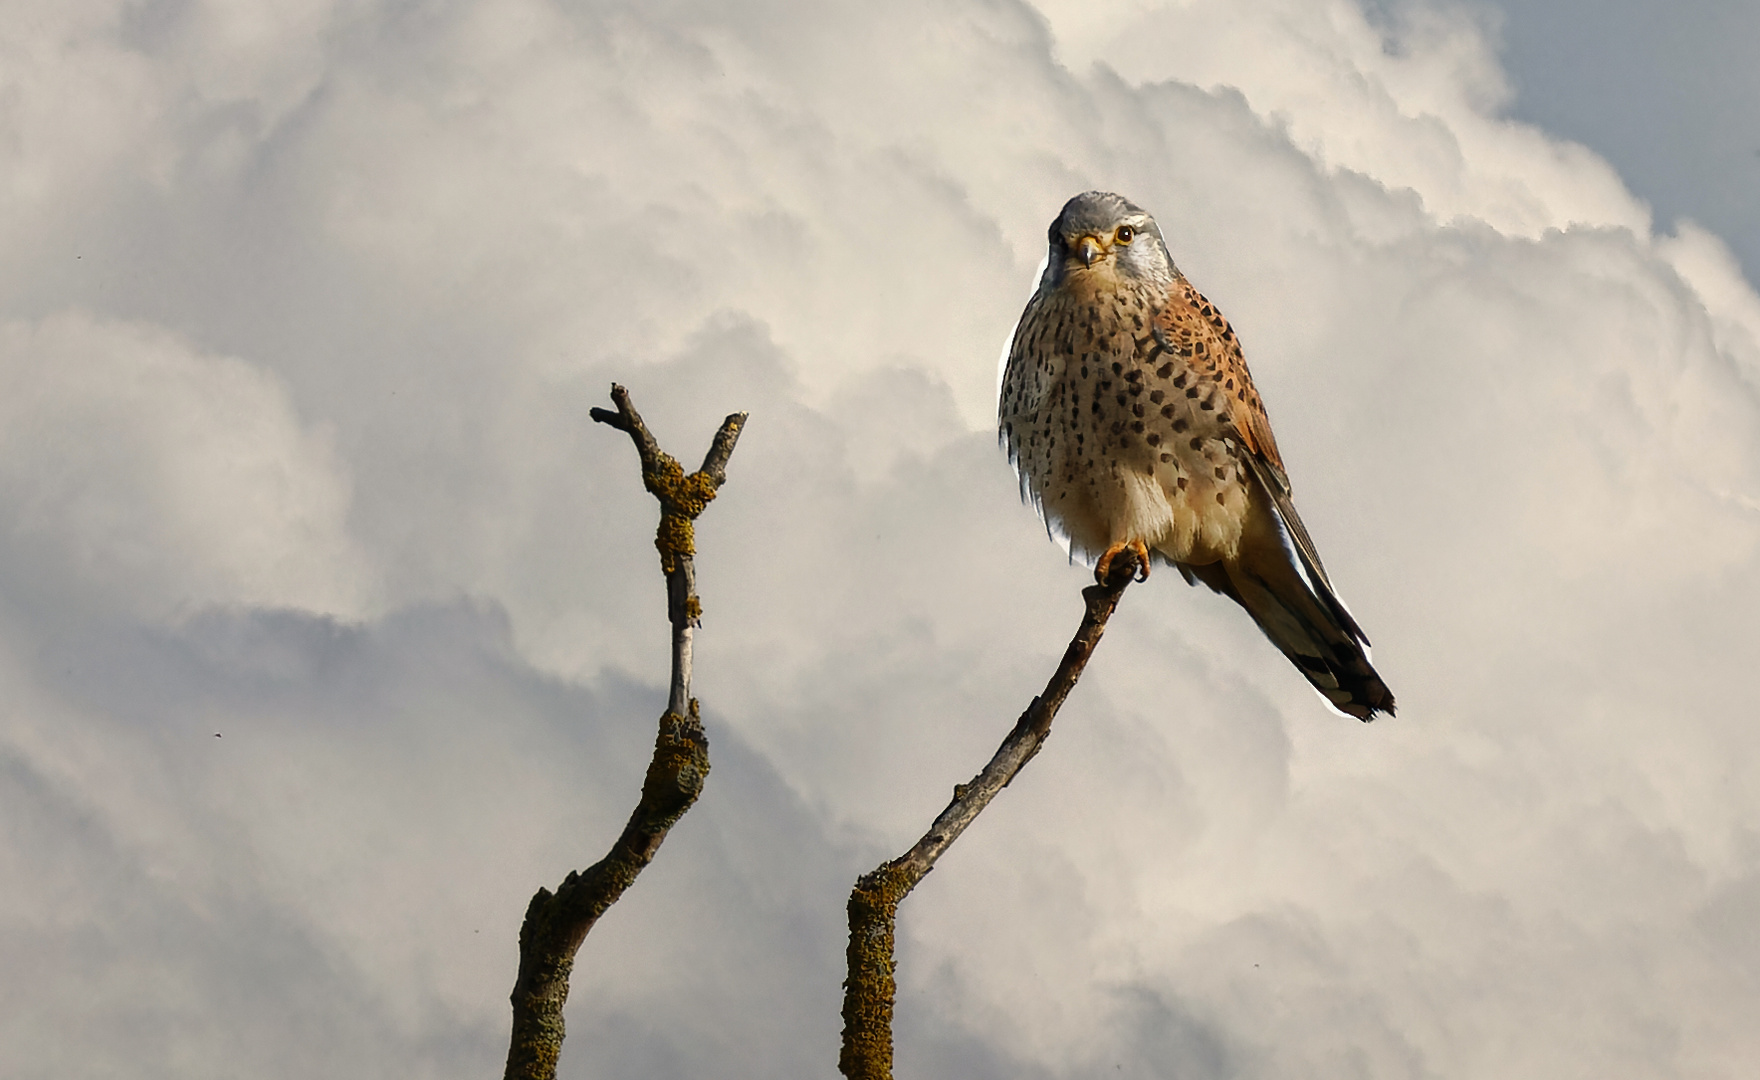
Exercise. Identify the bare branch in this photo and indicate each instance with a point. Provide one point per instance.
(715, 461)
(873, 903)
(556, 923)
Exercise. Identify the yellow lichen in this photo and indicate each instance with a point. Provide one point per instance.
(868, 997)
(676, 538)
(682, 497)
(677, 770)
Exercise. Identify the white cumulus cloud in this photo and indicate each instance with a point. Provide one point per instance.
(332, 626)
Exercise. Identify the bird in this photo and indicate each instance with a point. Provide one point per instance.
(1127, 411)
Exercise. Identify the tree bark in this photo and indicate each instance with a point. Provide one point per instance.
(557, 922)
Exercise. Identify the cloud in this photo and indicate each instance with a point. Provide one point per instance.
(332, 630)
(139, 476)
(271, 842)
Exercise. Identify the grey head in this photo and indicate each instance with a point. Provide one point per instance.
(1099, 232)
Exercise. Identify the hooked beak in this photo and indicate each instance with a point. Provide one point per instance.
(1089, 250)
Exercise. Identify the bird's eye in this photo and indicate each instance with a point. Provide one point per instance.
(1125, 233)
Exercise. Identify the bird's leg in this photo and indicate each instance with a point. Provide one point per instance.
(1137, 549)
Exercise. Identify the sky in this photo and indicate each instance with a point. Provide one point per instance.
(331, 628)
(1667, 93)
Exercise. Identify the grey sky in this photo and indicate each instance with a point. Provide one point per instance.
(330, 628)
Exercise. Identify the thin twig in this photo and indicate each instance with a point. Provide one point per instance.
(556, 923)
(873, 903)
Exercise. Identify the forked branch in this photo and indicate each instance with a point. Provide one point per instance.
(869, 990)
(557, 922)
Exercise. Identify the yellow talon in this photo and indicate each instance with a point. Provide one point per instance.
(1138, 550)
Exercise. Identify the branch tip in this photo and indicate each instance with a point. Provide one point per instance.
(721, 447)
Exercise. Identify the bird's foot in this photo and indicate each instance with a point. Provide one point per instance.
(1138, 551)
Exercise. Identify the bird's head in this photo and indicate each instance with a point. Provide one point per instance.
(1108, 236)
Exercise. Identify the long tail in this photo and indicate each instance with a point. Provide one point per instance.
(1278, 578)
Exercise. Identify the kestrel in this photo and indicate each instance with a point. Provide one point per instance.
(1129, 414)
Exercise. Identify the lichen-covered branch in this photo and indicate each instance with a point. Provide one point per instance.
(873, 905)
(557, 922)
